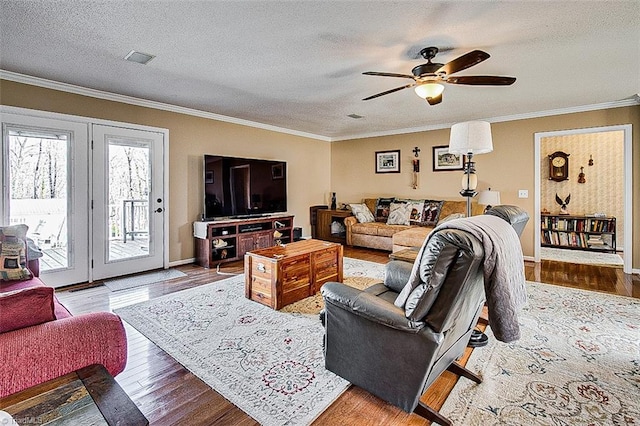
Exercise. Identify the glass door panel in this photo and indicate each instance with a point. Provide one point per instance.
(38, 192)
(128, 194)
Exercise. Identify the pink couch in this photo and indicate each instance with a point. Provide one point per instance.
(38, 353)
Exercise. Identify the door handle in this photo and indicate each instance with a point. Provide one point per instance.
(159, 210)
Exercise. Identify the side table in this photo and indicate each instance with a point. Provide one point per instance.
(408, 255)
(86, 396)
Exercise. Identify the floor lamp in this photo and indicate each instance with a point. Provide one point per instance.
(470, 138)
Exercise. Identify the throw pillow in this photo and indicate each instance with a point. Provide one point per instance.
(13, 253)
(416, 210)
(431, 212)
(26, 307)
(382, 209)
(452, 216)
(399, 214)
(362, 213)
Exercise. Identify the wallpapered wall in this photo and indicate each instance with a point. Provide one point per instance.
(603, 191)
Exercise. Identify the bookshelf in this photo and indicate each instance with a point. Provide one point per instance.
(578, 232)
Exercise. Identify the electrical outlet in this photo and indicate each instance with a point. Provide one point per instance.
(523, 193)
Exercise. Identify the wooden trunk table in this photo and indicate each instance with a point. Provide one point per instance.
(278, 276)
(89, 396)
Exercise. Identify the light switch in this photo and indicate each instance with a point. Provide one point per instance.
(523, 193)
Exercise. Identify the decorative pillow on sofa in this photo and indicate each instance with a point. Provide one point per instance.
(416, 210)
(362, 213)
(431, 212)
(26, 307)
(13, 253)
(399, 214)
(382, 208)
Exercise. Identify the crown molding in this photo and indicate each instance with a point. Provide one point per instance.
(631, 101)
(99, 94)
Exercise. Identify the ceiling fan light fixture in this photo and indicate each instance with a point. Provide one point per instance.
(429, 90)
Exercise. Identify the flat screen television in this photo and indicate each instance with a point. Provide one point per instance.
(243, 187)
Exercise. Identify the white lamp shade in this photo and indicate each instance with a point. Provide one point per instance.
(489, 198)
(429, 90)
(470, 137)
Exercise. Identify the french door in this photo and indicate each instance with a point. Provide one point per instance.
(128, 201)
(91, 194)
(45, 186)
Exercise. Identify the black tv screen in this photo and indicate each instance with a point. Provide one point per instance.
(243, 187)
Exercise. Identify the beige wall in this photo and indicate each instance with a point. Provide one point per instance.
(603, 190)
(347, 167)
(308, 160)
(507, 169)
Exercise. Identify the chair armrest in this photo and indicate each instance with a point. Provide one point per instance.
(349, 221)
(396, 274)
(367, 306)
(36, 354)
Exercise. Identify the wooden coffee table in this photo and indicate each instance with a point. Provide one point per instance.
(280, 275)
(87, 396)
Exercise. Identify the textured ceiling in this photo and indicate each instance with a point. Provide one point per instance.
(298, 64)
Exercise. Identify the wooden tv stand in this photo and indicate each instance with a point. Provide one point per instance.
(229, 239)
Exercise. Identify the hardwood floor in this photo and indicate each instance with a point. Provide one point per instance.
(168, 394)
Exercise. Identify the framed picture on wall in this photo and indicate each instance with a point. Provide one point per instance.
(443, 160)
(388, 161)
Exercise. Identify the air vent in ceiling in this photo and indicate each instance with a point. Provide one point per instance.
(139, 57)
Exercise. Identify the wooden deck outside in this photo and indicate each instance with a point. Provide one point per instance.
(56, 258)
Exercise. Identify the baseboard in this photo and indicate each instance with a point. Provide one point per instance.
(182, 262)
(529, 259)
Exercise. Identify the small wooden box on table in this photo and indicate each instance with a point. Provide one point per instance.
(280, 275)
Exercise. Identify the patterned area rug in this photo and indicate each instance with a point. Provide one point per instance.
(268, 363)
(577, 363)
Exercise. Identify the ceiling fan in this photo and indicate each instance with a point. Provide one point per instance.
(428, 77)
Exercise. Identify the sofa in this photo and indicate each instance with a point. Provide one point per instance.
(39, 338)
(380, 235)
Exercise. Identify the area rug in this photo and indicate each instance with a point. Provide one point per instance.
(268, 363)
(581, 256)
(119, 284)
(577, 363)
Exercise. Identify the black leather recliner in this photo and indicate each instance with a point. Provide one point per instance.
(397, 353)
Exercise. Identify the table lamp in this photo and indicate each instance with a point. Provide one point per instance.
(489, 198)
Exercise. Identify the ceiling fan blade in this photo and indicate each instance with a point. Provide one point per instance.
(389, 74)
(436, 100)
(482, 80)
(389, 91)
(463, 62)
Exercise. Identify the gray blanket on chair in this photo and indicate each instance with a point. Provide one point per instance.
(504, 282)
